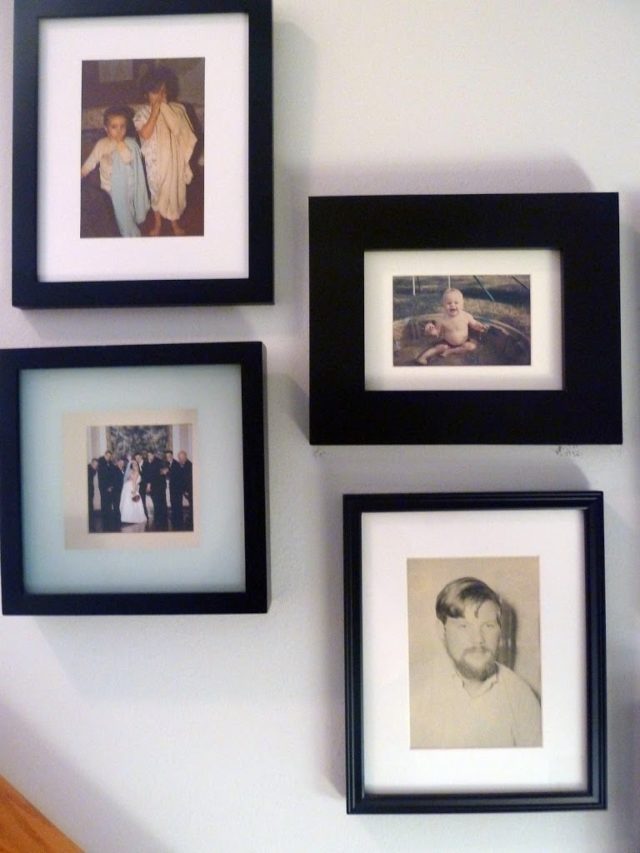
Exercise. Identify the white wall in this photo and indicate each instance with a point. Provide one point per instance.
(226, 733)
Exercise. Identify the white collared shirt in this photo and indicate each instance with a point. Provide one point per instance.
(444, 715)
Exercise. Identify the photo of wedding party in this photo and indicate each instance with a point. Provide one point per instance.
(140, 478)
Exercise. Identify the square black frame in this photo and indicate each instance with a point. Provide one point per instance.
(250, 357)
(28, 291)
(594, 796)
(582, 226)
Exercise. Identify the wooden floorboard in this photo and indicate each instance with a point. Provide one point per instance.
(23, 829)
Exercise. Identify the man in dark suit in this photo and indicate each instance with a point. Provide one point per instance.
(107, 484)
(175, 476)
(118, 483)
(156, 486)
(140, 459)
(186, 469)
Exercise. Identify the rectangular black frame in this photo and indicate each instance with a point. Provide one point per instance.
(359, 800)
(582, 226)
(28, 291)
(249, 356)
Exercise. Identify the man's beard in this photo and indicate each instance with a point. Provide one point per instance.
(476, 671)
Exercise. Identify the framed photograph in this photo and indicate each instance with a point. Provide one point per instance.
(475, 652)
(143, 153)
(471, 319)
(132, 480)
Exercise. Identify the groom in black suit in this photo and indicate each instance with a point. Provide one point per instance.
(140, 459)
(155, 484)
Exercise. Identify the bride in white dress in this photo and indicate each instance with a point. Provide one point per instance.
(131, 509)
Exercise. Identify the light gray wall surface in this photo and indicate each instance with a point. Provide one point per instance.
(226, 733)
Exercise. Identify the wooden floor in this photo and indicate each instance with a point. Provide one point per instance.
(23, 829)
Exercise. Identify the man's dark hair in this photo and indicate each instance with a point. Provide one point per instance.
(457, 595)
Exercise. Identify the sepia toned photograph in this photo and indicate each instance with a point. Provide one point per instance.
(142, 148)
(470, 684)
(474, 653)
(461, 320)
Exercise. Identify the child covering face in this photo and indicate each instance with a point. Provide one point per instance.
(168, 142)
(451, 328)
(121, 172)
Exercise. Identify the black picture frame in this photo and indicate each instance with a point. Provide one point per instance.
(359, 584)
(583, 227)
(250, 282)
(243, 406)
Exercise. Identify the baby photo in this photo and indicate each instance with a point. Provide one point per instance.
(449, 320)
(142, 152)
